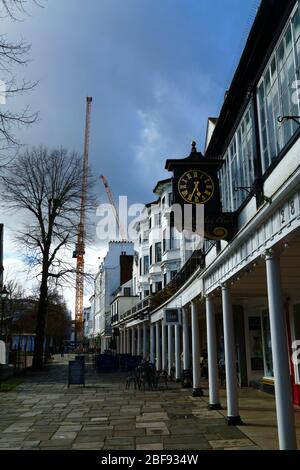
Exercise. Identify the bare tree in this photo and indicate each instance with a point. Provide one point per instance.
(47, 186)
(12, 53)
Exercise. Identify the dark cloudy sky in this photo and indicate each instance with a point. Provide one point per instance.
(156, 69)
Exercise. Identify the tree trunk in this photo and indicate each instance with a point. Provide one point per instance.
(41, 323)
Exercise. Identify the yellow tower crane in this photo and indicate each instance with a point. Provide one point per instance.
(80, 245)
(111, 200)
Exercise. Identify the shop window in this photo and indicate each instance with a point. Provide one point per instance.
(255, 343)
(296, 337)
(268, 360)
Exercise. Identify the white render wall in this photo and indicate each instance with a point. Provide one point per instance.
(107, 281)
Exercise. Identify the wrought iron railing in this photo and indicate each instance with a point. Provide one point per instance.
(196, 260)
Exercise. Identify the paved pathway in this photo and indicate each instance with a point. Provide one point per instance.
(42, 413)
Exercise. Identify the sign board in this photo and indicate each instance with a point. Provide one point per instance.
(172, 316)
(76, 373)
(2, 353)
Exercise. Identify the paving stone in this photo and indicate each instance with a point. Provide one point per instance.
(129, 433)
(243, 448)
(153, 446)
(64, 435)
(181, 430)
(57, 443)
(30, 444)
(122, 441)
(99, 419)
(221, 444)
(9, 437)
(70, 428)
(227, 432)
(152, 417)
(186, 439)
(124, 426)
(157, 431)
(118, 447)
(148, 440)
(187, 446)
(91, 438)
(41, 436)
(88, 445)
(151, 424)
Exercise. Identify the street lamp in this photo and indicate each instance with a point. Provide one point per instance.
(3, 296)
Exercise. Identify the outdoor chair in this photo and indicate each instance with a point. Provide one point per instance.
(162, 376)
(172, 374)
(132, 377)
(147, 376)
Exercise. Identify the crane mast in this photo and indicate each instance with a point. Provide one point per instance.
(80, 246)
(111, 200)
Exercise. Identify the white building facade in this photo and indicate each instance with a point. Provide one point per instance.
(107, 280)
(238, 302)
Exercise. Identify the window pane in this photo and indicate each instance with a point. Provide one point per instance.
(288, 40)
(296, 24)
(157, 252)
(280, 55)
(146, 264)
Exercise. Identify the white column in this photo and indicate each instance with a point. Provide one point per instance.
(212, 357)
(127, 340)
(133, 345)
(145, 340)
(233, 416)
(197, 390)
(185, 340)
(177, 354)
(170, 347)
(164, 357)
(282, 380)
(139, 340)
(158, 347)
(152, 343)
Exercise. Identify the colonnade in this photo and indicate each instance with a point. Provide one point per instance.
(170, 347)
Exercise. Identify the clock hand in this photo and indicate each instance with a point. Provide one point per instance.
(196, 183)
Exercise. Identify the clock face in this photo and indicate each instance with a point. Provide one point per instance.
(196, 187)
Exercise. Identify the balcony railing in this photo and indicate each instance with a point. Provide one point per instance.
(152, 302)
(196, 260)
